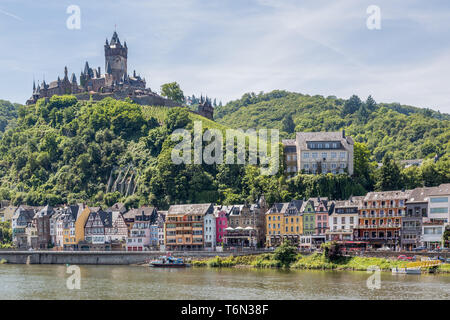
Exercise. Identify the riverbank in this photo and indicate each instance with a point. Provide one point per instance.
(315, 261)
(100, 257)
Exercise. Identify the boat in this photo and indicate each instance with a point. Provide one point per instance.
(406, 270)
(168, 262)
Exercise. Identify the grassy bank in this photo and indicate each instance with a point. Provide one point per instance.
(314, 261)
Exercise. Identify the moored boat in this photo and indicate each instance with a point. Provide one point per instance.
(168, 262)
(406, 270)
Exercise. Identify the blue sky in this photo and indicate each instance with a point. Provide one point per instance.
(225, 48)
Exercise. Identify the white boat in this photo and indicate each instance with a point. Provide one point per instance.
(406, 270)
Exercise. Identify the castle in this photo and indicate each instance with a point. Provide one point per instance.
(115, 82)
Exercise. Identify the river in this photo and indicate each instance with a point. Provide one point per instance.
(139, 282)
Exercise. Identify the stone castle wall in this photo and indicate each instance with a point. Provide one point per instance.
(151, 100)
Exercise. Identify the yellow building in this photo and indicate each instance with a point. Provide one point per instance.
(284, 221)
(81, 222)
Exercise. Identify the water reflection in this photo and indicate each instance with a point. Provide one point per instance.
(138, 282)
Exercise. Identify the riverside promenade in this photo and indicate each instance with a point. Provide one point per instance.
(139, 257)
(106, 257)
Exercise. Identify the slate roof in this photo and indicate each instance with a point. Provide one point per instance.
(387, 195)
(131, 214)
(443, 189)
(420, 195)
(190, 209)
(303, 137)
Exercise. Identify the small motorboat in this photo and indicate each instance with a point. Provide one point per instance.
(168, 262)
(406, 270)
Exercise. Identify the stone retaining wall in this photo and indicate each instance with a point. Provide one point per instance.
(101, 257)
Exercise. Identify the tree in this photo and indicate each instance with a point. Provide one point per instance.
(364, 167)
(288, 124)
(371, 105)
(172, 91)
(389, 177)
(285, 254)
(352, 105)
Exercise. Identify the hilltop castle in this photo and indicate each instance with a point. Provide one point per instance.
(115, 82)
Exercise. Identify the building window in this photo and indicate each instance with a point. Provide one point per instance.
(440, 199)
(314, 155)
(342, 155)
(333, 155)
(324, 155)
(439, 210)
(306, 155)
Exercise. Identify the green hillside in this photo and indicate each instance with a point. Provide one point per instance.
(8, 114)
(66, 151)
(406, 131)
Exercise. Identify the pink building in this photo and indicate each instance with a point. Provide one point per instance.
(221, 224)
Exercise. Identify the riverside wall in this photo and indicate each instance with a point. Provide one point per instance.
(127, 258)
(102, 257)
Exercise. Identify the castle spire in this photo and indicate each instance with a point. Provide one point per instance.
(65, 73)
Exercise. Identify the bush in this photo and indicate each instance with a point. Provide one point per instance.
(285, 254)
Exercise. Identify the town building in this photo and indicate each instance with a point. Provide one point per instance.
(210, 231)
(319, 152)
(184, 226)
(144, 233)
(161, 233)
(95, 235)
(432, 234)
(380, 218)
(284, 222)
(221, 214)
(247, 224)
(42, 222)
(22, 226)
(129, 216)
(416, 211)
(343, 219)
(439, 204)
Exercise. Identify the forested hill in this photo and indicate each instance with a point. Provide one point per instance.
(408, 132)
(8, 114)
(62, 150)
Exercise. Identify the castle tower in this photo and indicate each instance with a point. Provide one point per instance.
(116, 58)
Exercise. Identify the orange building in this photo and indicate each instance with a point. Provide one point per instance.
(184, 226)
(380, 218)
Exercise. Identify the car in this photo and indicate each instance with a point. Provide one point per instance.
(405, 258)
(447, 260)
(419, 249)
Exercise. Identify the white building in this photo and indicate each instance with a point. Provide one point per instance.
(319, 152)
(439, 204)
(210, 231)
(343, 219)
(432, 233)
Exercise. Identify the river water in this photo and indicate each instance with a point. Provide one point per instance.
(139, 282)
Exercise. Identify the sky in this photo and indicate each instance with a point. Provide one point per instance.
(225, 48)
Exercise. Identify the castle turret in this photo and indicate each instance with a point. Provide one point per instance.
(116, 56)
(205, 108)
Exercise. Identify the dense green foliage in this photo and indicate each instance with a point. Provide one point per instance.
(5, 235)
(63, 151)
(406, 132)
(172, 91)
(286, 254)
(8, 113)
